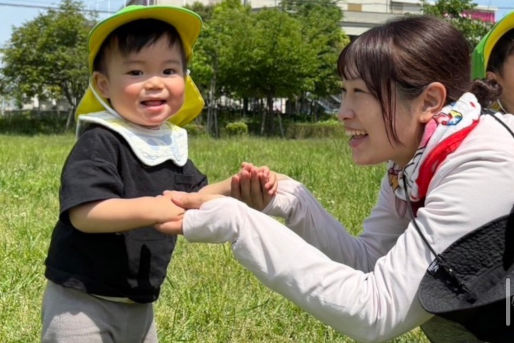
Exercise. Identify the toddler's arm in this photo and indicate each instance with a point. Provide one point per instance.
(116, 215)
(222, 187)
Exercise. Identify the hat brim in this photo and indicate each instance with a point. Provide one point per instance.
(187, 23)
(482, 52)
(192, 107)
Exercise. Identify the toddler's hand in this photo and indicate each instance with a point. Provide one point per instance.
(171, 215)
(182, 201)
(173, 227)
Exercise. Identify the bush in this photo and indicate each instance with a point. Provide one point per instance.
(237, 128)
(33, 122)
(194, 129)
(323, 129)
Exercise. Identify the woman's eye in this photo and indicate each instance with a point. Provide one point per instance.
(135, 72)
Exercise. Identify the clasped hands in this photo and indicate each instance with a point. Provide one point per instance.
(255, 186)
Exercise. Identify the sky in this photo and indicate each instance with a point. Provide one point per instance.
(17, 12)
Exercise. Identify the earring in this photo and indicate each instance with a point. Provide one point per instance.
(500, 105)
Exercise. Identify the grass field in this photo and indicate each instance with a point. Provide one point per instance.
(207, 296)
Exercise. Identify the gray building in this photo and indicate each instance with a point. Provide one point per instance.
(358, 15)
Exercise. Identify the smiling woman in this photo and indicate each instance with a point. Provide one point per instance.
(407, 101)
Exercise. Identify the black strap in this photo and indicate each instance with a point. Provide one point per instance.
(492, 114)
(439, 261)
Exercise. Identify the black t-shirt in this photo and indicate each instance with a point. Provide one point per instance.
(131, 264)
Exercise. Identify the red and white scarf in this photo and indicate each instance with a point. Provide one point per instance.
(443, 135)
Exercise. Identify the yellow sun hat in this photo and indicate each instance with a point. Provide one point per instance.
(482, 52)
(188, 25)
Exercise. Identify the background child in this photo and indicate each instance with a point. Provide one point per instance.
(493, 59)
(106, 261)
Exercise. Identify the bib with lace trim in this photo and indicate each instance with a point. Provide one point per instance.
(151, 146)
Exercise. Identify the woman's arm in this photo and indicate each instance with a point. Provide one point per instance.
(307, 218)
(465, 193)
(366, 306)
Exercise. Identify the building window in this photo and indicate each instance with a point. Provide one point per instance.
(355, 7)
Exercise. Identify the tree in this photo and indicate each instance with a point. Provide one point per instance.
(455, 11)
(260, 55)
(3, 86)
(221, 30)
(46, 57)
(321, 28)
(204, 11)
(267, 54)
(281, 61)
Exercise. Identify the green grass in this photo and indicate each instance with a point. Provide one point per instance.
(207, 296)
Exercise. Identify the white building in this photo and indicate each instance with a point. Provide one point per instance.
(254, 3)
(358, 15)
(361, 15)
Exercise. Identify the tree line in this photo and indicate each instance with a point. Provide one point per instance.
(253, 56)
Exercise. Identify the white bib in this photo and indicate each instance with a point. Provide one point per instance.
(151, 146)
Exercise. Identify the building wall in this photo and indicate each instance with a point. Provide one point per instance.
(358, 15)
(253, 3)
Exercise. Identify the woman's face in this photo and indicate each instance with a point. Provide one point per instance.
(362, 118)
(506, 80)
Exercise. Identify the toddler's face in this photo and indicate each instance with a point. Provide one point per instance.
(145, 87)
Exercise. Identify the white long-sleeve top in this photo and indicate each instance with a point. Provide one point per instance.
(365, 287)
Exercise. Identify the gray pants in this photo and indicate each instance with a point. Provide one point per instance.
(72, 316)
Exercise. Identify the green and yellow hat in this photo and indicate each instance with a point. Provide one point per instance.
(482, 52)
(188, 25)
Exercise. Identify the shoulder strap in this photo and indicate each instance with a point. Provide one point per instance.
(439, 261)
(492, 114)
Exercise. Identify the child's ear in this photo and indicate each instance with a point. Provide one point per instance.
(490, 75)
(432, 102)
(101, 83)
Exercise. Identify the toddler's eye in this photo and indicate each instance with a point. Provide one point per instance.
(169, 71)
(135, 72)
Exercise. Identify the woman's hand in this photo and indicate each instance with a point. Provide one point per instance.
(185, 201)
(255, 186)
(191, 200)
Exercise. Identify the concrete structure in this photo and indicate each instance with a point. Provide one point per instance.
(358, 15)
(254, 3)
(361, 15)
